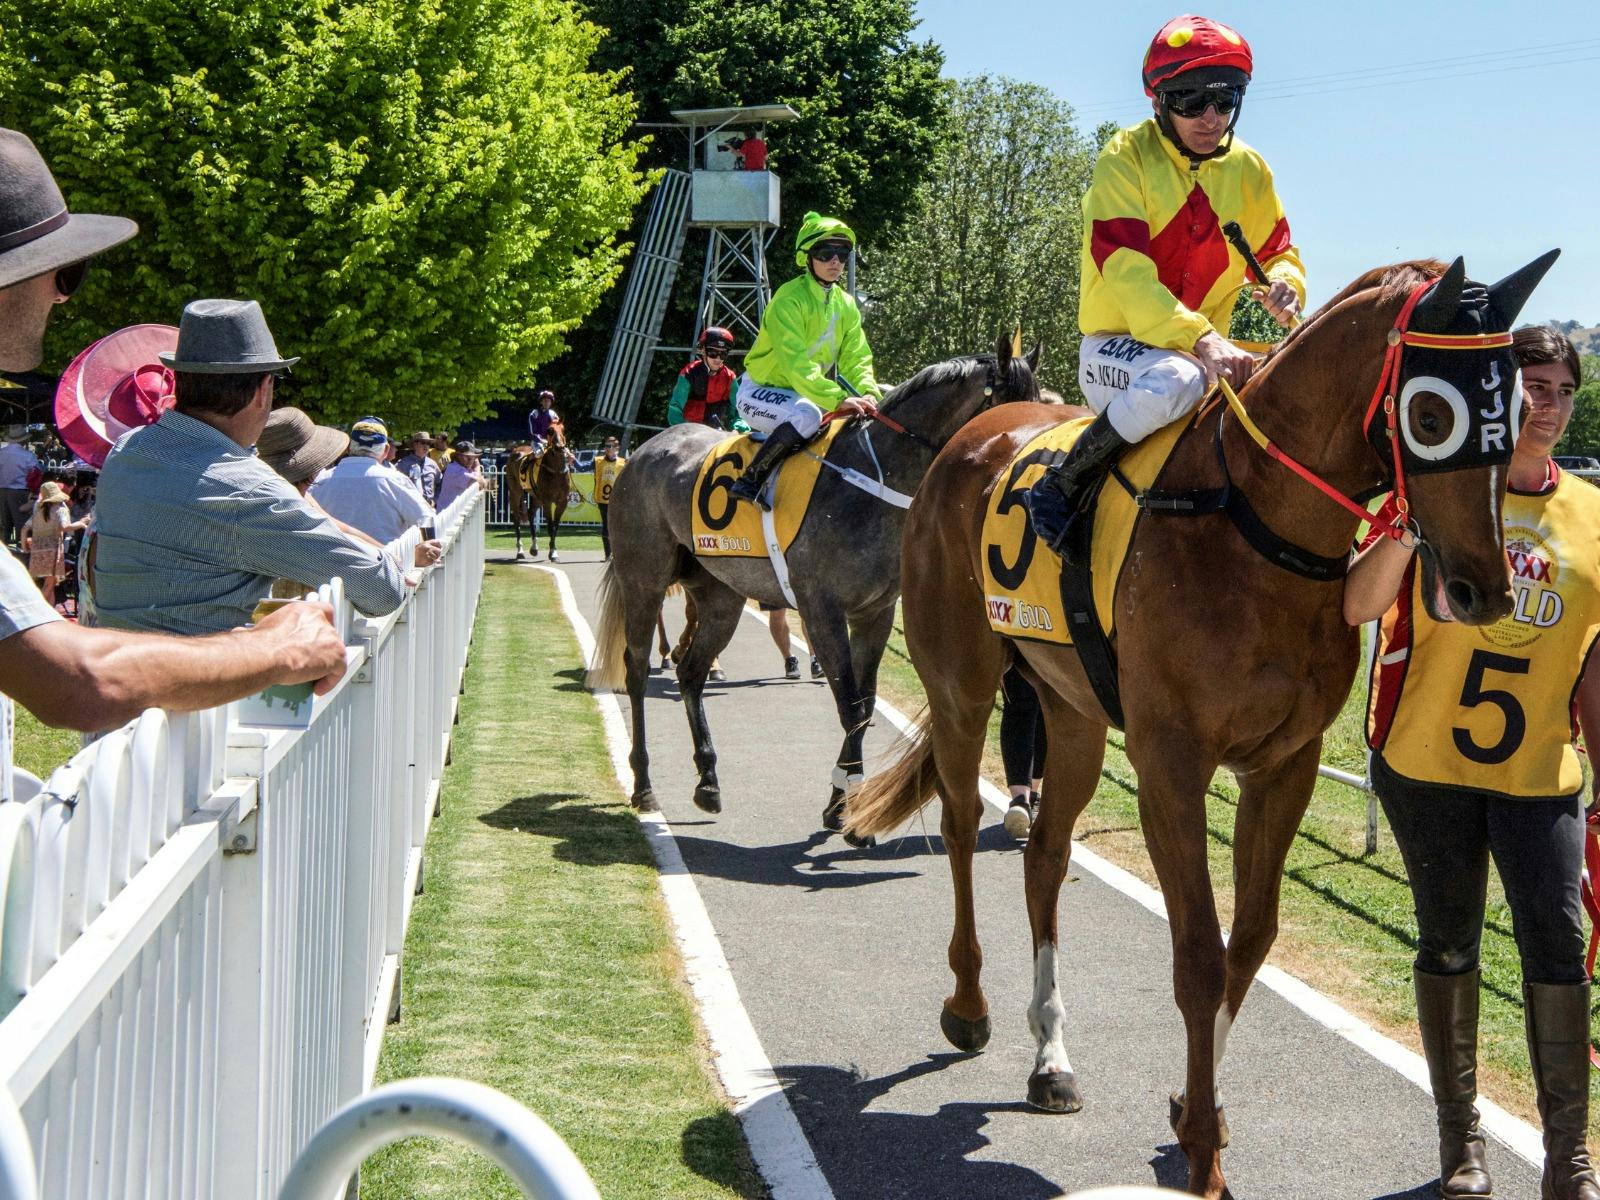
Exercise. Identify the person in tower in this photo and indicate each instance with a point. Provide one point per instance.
(810, 357)
(706, 385)
(1159, 278)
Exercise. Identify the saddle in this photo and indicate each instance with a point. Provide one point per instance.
(725, 528)
(1030, 592)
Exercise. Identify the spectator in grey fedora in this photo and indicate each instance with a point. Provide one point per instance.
(193, 529)
(94, 679)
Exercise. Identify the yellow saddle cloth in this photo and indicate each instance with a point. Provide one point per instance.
(723, 527)
(1022, 576)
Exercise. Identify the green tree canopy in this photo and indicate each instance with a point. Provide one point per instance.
(425, 197)
(994, 237)
(870, 100)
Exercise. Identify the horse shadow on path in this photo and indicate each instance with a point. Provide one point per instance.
(871, 1155)
(589, 835)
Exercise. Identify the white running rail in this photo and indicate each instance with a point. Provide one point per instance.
(201, 921)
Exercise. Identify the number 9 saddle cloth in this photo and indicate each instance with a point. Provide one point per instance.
(1022, 576)
(723, 527)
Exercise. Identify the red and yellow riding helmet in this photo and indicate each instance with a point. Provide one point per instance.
(1191, 43)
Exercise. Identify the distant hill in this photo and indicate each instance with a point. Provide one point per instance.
(1585, 337)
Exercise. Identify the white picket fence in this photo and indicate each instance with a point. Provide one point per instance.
(201, 921)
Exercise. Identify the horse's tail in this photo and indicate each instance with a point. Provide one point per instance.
(608, 671)
(892, 796)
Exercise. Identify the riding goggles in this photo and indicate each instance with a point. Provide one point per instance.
(1192, 102)
(829, 253)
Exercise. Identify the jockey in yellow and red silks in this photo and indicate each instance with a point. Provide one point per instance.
(1158, 277)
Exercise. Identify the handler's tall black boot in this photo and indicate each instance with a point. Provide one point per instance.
(1447, 1011)
(781, 442)
(1557, 1016)
(1057, 502)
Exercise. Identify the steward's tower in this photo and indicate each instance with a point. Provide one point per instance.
(739, 209)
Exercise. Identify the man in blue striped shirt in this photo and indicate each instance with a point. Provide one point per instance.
(192, 528)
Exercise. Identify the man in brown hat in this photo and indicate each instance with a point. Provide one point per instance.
(418, 467)
(193, 528)
(93, 679)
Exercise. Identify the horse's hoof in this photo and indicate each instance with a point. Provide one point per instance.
(521, 557)
(1175, 1113)
(1055, 1091)
(645, 802)
(554, 557)
(833, 812)
(967, 1036)
(860, 842)
(708, 799)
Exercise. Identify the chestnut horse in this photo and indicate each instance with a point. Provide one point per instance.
(541, 482)
(1226, 659)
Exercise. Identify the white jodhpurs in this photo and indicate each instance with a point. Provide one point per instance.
(764, 408)
(1139, 388)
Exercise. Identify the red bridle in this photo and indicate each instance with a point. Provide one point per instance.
(1399, 338)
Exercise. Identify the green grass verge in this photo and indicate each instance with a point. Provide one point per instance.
(1346, 919)
(40, 749)
(539, 960)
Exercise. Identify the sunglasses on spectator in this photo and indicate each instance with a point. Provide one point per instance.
(1193, 102)
(70, 278)
(830, 254)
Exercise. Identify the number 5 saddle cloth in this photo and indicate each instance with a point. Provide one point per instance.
(724, 527)
(1022, 578)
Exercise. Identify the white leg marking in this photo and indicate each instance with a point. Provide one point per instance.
(1494, 496)
(1219, 1043)
(1047, 1016)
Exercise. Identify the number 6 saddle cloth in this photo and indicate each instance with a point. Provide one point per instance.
(1022, 578)
(725, 528)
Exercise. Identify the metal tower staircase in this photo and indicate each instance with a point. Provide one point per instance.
(644, 304)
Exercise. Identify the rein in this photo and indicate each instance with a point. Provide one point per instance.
(1399, 337)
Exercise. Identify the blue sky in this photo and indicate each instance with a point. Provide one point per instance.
(1394, 130)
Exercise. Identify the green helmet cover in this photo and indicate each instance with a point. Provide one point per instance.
(818, 228)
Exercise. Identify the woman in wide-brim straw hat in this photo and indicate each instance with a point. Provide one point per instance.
(45, 538)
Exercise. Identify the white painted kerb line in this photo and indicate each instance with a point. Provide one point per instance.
(777, 1143)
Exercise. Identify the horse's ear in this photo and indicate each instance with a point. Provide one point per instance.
(1437, 308)
(1002, 352)
(1511, 293)
(1033, 358)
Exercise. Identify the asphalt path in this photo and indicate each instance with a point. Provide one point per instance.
(839, 958)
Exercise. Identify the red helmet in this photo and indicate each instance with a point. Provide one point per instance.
(1190, 43)
(716, 337)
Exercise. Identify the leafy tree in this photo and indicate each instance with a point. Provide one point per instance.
(870, 99)
(994, 237)
(1583, 432)
(1253, 323)
(425, 197)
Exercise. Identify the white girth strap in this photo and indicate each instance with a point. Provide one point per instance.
(769, 531)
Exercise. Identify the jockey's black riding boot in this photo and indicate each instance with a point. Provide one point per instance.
(1057, 502)
(1557, 1016)
(781, 442)
(1447, 1011)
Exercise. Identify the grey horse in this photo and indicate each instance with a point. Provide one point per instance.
(844, 563)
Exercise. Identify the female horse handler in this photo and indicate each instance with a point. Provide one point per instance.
(1472, 736)
(810, 356)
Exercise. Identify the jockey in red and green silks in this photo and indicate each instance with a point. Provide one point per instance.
(811, 356)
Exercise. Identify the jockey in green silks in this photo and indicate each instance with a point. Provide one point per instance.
(810, 356)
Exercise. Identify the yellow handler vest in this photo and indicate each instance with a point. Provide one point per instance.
(605, 477)
(1490, 707)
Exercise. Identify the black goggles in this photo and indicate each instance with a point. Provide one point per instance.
(715, 351)
(830, 253)
(1192, 102)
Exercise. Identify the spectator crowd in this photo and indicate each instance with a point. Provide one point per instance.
(192, 498)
